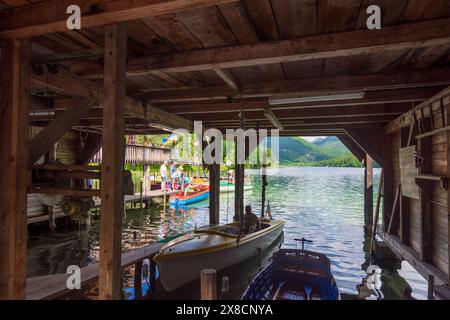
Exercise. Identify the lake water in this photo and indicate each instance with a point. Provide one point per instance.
(324, 205)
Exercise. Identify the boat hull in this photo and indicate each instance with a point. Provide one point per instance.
(180, 270)
(190, 199)
(230, 188)
(280, 281)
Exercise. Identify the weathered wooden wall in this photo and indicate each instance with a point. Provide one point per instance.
(439, 196)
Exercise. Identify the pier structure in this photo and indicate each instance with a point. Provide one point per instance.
(149, 67)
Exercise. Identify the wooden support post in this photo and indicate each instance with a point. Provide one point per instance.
(238, 190)
(14, 122)
(239, 176)
(404, 219)
(377, 212)
(263, 189)
(112, 205)
(138, 280)
(368, 192)
(388, 188)
(208, 284)
(447, 122)
(214, 193)
(394, 216)
(424, 149)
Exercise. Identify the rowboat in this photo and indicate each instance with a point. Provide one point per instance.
(181, 260)
(199, 193)
(229, 186)
(294, 275)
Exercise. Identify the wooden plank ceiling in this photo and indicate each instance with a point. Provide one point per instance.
(393, 77)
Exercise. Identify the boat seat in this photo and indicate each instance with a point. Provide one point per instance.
(297, 257)
(287, 268)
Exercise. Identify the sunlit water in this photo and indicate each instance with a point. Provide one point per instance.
(321, 204)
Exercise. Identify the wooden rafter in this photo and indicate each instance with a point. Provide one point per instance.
(72, 84)
(42, 142)
(308, 86)
(373, 149)
(227, 77)
(372, 98)
(354, 148)
(323, 46)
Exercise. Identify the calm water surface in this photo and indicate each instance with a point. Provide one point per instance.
(321, 204)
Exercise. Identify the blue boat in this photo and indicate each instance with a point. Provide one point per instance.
(182, 200)
(294, 274)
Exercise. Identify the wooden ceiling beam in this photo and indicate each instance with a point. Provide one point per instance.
(50, 16)
(69, 83)
(372, 98)
(323, 46)
(307, 86)
(325, 123)
(354, 148)
(227, 77)
(312, 113)
(406, 119)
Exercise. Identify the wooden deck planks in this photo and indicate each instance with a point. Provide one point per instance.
(54, 285)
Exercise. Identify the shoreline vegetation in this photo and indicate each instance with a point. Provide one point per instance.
(293, 152)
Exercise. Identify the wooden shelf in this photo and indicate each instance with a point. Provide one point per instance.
(433, 133)
(443, 180)
(55, 167)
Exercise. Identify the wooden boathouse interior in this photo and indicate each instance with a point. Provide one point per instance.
(139, 67)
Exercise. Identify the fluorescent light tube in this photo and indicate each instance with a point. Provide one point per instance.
(330, 97)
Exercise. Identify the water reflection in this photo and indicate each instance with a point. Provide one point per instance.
(321, 204)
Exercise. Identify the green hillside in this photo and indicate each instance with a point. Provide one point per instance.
(327, 151)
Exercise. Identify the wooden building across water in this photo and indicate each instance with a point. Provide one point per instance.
(141, 67)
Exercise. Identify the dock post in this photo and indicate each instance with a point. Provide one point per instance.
(430, 287)
(152, 273)
(368, 192)
(214, 193)
(208, 284)
(112, 195)
(138, 280)
(14, 122)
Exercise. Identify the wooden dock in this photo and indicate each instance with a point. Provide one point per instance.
(54, 285)
(136, 198)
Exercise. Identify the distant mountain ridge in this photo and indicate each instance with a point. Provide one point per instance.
(327, 151)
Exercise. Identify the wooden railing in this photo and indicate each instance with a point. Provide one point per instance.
(136, 154)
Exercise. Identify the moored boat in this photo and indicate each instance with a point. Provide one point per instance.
(180, 261)
(199, 193)
(294, 275)
(226, 186)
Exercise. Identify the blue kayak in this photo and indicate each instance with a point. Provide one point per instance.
(294, 275)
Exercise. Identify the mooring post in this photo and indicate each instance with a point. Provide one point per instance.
(430, 287)
(140, 193)
(368, 192)
(138, 280)
(152, 272)
(214, 190)
(208, 284)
